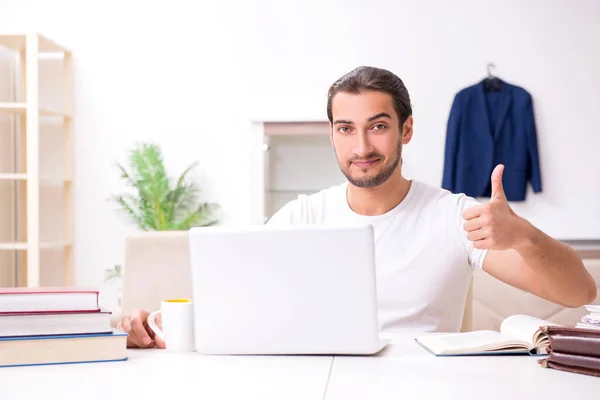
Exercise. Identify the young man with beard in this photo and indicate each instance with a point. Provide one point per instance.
(428, 240)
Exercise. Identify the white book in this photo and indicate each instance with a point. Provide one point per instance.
(591, 319)
(593, 308)
(587, 326)
(519, 334)
(59, 323)
(63, 349)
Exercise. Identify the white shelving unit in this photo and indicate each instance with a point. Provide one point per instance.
(31, 49)
(297, 158)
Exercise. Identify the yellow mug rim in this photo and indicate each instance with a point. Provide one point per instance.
(178, 301)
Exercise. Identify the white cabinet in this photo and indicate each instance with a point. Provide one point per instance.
(297, 159)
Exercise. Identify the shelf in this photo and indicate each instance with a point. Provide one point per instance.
(13, 177)
(24, 246)
(55, 181)
(24, 177)
(18, 41)
(46, 112)
(21, 108)
(296, 128)
(31, 50)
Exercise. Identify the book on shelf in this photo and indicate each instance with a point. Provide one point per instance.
(48, 299)
(63, 349)
(519, 335)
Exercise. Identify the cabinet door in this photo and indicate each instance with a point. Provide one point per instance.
(298, 164)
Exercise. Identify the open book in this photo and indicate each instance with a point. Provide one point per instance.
(519, 334)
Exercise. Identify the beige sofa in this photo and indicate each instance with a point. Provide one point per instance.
(157, 267)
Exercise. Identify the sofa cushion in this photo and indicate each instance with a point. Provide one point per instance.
(494, 300)
(157, 267)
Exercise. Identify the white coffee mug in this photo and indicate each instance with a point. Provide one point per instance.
(177, 324)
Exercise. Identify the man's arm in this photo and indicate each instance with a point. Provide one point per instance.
(544, 267)
(525, 257)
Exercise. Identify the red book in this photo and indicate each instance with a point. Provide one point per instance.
(48, 299)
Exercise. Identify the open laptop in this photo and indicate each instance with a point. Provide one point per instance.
(284, 290)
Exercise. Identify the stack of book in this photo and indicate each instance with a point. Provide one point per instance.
(56, 326)
(592, 319)
(574, 350)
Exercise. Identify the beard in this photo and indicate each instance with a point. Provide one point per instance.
(374, 180)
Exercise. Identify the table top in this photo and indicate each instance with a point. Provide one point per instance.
(407, 369)
(158, 374)
(402, 370)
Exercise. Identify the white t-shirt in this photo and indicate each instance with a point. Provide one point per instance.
(424, 261)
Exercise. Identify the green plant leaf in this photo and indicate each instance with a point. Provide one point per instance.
(128, 208)
(198, 217)
(113, 274)
(183, 196)
(152, 201)
(152, 181)
(125, 175)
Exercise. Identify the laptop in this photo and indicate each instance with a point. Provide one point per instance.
(268, 290)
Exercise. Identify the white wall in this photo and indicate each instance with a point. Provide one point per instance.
(437, 48)
(192, 75)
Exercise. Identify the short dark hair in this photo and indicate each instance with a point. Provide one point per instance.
(366, 78)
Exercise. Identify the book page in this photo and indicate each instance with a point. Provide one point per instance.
(526, 328)
(593, 308)
(470, 342)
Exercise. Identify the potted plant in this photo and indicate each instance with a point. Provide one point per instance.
(154, 201)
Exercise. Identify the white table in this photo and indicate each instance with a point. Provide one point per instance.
(156, 374)
(402, 370)
(405, 370)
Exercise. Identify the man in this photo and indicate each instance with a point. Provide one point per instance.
(428, 240)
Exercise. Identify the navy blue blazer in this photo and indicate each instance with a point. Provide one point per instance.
(487, 128)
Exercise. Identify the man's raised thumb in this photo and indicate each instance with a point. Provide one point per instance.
(497, 188)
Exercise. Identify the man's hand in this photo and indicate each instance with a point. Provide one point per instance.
(494, 225)
(140, 334)
(525, 257)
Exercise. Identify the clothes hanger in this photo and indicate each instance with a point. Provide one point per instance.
(491, 83)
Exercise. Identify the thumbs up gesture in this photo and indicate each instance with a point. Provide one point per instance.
(493, 225)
